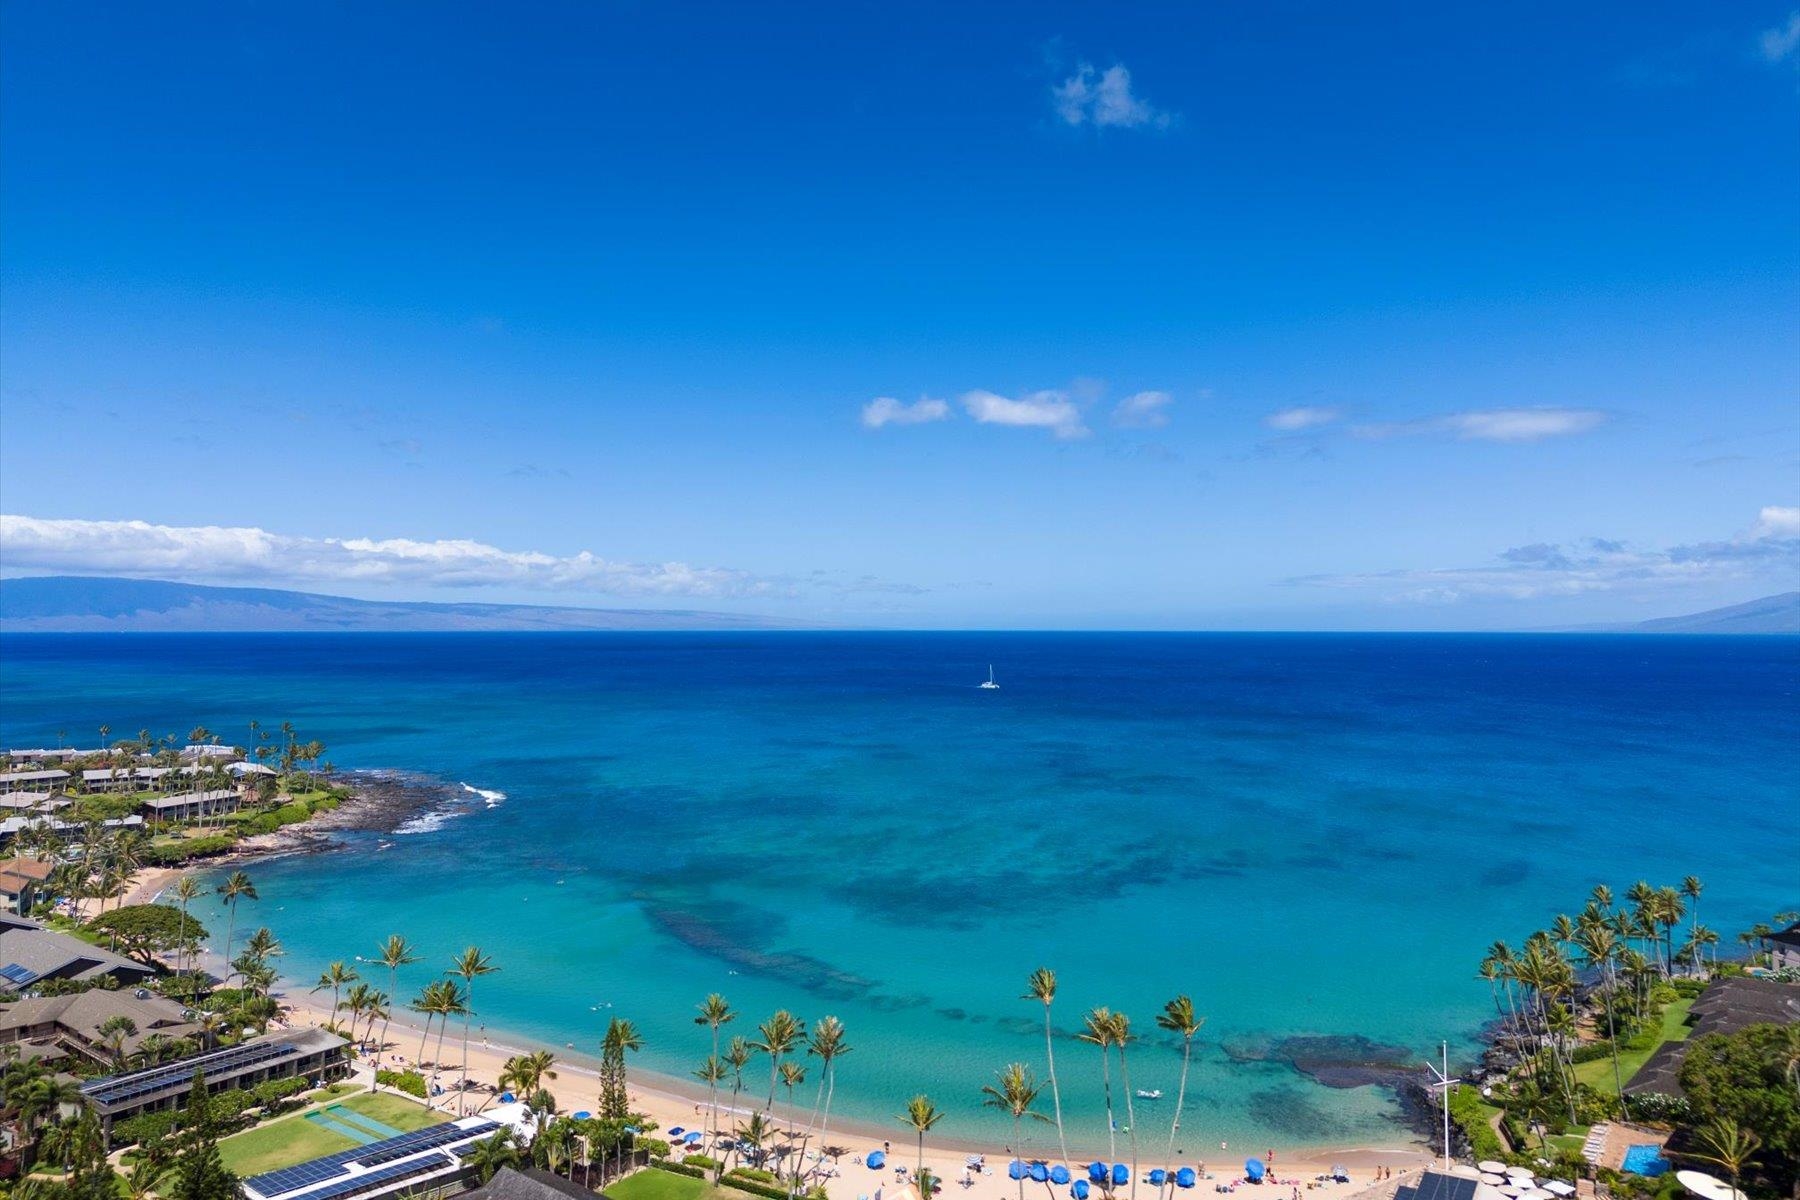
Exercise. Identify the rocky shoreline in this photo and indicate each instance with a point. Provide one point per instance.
(380, 802)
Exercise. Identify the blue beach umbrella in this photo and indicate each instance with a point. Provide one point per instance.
(875, 1159)
(1039, 1173)
(584, 1115)
(507, 1097)
(1253, 1169)
(694, 1138)
(1121, 1174)
(1097, 1172)
(1184, 1177)
(1159, 1177)
(1015, 1169)
(1080, 1190)
(676, 1132)
(1059, 1174)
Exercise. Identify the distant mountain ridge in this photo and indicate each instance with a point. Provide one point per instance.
(88, 604)
(1771, 614)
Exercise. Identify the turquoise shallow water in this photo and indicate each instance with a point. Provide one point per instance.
(1313, 835)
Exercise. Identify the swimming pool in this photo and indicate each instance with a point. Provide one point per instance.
(1646, 1159)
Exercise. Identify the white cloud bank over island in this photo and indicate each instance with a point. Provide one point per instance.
(248, 554)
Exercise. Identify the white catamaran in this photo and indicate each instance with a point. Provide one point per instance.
(990, 685)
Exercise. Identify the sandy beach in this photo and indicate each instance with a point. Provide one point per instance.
(672, 1105)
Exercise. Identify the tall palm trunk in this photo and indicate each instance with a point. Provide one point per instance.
(423, 1034)
(462, 1091)
(1187, 1050)
(1130, 1116)
(1055, 1091)
(1112, 1126)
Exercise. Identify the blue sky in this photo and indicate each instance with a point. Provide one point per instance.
(1268, 315)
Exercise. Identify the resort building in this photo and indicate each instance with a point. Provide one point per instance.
(208, 751)
(317, 1054)
(24, 802)
(127, 779)
(528, 1183)
(30, 953)
(245, 769)
(424, 1162)
(73, 831)
(1784, 948)
(69, 1027)
(1726, 1006)
(1456, 1183)
(32, 781)
(22, 883)
(192, 806)
(44, 756)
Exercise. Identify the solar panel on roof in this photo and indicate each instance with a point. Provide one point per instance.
(357, 1185)
(15, 974)
(371, 1157)
(116, 1089)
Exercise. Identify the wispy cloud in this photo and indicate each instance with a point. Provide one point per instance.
(1050, 410)
(211, 552)
(1144, 410)
(1493, 425)
(1778, 44)
(1768, 549)
(1306, 416)
(885, 410)
(1104, 100)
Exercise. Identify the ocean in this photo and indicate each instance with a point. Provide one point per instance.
(1315, 836)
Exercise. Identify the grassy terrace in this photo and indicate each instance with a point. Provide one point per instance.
(1599, 1073)
(666, 1185)
(295, 1139)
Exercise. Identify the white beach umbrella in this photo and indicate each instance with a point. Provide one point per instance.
(1706, 1186)
(1490, 1177)
(1518, 1172)
(1557, 1187)
(1510, 1189)
(1489, 1167)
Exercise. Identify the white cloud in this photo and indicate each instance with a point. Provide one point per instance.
(1494, 424)
(211, 552)
(1291, 420)
(1039, 410)
(1770, 550)
(1145, 410)
(1780, 42)
(885, 410)
(1103, 99)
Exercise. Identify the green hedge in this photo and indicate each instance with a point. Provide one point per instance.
(145, 1127)
(701, 1160)
(675, 1168)
(1470, 1115)
(174, 853)
(770, 1191)
(410, 1082)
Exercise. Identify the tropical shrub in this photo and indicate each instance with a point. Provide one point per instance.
(654, 1147)
(145, 1127)
(756, 1173)
(706, 1162)
(664, 1164)
(1470, 1115)
(174, 853)
(410, 1082)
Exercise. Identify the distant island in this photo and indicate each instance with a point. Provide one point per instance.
(82, 604)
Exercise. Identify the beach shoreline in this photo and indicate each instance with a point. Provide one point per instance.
(673, 1102)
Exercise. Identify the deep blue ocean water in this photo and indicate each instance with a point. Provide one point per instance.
(1311, 834)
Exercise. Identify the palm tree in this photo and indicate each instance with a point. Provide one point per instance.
(738, 1053)
(826, 1043)
(1016, 1092)
(452, 1001)
(780, 1034)
(427, 1002)
(921, 1114)
(526, 1073)
(1178, 1017)
(1042, 988)
(1690, 890)
(357, 1001)
(487, 1156)
(396, 952)
(335, 977)
(1097, 1030)
(712, 1073)
(715, 1013)
(1731, 1146)
(114, 1031)
(1122, 1038)
(469, 966)
(236, 887)
(1598, 946)
(186, 889)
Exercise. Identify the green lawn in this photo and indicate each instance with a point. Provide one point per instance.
(294, 1139)
(1599, 1072)
(652, 1184)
